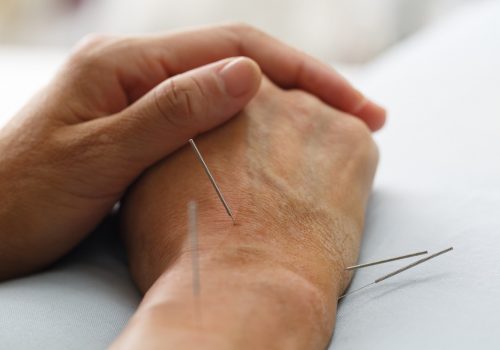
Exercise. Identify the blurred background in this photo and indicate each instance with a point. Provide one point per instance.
(345, 31)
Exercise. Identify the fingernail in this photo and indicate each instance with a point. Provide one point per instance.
(238, 76)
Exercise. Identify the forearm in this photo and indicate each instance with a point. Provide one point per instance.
(243, 304)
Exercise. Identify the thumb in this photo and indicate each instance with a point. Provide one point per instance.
(185, 105)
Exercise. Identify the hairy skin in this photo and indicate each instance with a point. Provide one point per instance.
(297, 175)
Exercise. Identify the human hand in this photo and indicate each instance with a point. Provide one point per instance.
(121, 104)
(297, 175)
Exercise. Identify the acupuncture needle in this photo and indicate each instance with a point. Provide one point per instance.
(398, 271)
(195, 261)
(211, 178)
(193, 235)
(385, 260)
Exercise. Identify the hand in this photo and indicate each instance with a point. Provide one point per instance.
(121, 104)
(297, 174)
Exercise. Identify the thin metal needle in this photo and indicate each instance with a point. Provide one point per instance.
(398, 271)
(418, 262)
(211, 178)
(385, 260)
(192, 213)
(355, 291)
(193, 235)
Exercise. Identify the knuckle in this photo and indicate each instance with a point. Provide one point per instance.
(179, 101)
(302, 103)
(308, 113)
(240, 33)
(295, 109)
(353, 128)
(90, 49)
(300, 96)
(90, 43)
(240, 27)
(355, 134)
(92, 40)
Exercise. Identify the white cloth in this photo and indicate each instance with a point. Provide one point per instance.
(438, 185)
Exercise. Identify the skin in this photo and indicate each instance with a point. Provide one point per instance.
(118, 106)
(297, 174)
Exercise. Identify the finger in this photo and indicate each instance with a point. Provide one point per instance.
(284, 65)
(184, 106)
(287, 67)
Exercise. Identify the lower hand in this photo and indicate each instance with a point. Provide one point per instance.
(297, 175)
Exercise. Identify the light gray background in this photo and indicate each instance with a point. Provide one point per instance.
(438, 185)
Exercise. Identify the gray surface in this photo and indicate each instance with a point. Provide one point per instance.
(438, 185)
(82, 302)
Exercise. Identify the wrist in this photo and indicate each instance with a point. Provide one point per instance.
(246, 245)
(250, 306)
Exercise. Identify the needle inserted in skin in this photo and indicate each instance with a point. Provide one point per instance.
(385, 260)
(193, 235)
(398, 271)
(211, 178)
